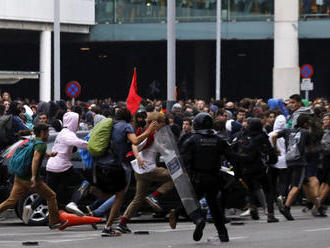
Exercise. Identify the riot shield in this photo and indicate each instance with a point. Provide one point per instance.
(166, 145)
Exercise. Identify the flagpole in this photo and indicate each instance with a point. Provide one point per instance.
(171, 53)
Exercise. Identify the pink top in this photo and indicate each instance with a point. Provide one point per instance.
(64, 143)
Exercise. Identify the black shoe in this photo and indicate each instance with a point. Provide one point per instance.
(123, 228)
(153, 202)
(223, 236)
(109, 232)
(254, 214)
(58, 225)
(319, 212)
(323, 211)
(286, 213)
(272, 219)
(198, 233)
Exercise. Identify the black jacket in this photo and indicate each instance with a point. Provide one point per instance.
(258, 151)
(203, 150)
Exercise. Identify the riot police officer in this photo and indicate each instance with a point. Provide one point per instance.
(202, 154)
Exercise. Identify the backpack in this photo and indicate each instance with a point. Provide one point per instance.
(292, 150)
(100, 138)
(20, 163)
(325, 142)
(86, 157)
(6, 133)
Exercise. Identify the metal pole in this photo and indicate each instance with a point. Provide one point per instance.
(307, 95)
(218, 64)
(57, 51)
(171, 51)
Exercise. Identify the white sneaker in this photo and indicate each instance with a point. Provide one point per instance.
(73, 208)
(27, 212)
(245, 214)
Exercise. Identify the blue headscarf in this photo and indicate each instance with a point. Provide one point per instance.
(278, 104)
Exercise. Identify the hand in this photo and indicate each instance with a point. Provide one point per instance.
(141, 162)
(278, 153)
(51, 154)
(153, 125)
(33, 182)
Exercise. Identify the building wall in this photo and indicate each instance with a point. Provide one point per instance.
(72, 11)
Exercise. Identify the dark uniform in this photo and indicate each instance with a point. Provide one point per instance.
(201, 154)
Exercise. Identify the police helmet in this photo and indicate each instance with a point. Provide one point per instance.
(202, 121)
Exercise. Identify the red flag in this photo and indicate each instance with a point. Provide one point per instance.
(133, 99)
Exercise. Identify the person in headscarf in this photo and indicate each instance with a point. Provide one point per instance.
(278, 104)
(279, 171)
(18, 128)
(43, 107)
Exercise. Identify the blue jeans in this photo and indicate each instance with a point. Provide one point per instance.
(106, 205)
(307, 6)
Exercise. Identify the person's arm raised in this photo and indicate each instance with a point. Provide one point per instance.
(135, 140)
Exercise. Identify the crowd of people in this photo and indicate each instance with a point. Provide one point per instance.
(276, 147)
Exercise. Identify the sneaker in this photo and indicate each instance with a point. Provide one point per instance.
(286, 213)
(246, 213)
(123, 228)
(73, 208)
(109, 232)
(58, 224)
(272, 219)
(172, 219)
(254, 214)
(153, 202)
(27, 212)
(198, 233)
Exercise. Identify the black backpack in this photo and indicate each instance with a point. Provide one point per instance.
(6, 130)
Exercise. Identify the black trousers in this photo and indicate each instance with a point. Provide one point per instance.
(254, 182)
(208, 185)
(279, 178)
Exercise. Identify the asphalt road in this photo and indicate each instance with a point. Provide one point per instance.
(305, 231)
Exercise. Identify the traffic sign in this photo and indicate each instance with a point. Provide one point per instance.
(306, 71)
(73, 89)
(307, 86)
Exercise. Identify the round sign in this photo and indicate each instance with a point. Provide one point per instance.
(73, 89)
(306, 71)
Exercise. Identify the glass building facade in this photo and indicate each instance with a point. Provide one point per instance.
(154, 11)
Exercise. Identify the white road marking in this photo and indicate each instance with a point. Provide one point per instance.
(318, 229)
(242, 237)
(47, 233)
(47, 241)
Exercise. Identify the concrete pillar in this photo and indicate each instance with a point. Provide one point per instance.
(202, 84)
(286, 74)
(45, 66)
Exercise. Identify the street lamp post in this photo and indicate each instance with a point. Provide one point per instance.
(171, 52)
(218, 51)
